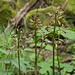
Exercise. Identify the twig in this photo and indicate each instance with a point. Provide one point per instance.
(58, 56)
(40, 49)
(64, 4)
(25, 30)
(52, 5)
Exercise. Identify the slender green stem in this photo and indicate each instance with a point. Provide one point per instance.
(18, 53)
(58, 56)
(36, 43)
(35, 53)
(54, 46)
(19, 62)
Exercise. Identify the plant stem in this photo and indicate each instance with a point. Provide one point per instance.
(35, 52)
(18, 53)
(35, 43)
(19, 61)
(58, 56)
(40, 49)
(54, 46)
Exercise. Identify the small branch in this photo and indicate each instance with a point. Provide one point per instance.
(52, 5)
(25, 25)
(40, 49)
(25, 31)
(64, 4)
(19, 16)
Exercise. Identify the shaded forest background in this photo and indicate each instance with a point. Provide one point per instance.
(9, 8)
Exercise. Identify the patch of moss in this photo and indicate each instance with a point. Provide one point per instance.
(5, 16)
(71, 7)
(6, 12)
(42, 15)
(21, 3)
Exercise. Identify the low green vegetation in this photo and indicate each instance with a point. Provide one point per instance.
(46, 47)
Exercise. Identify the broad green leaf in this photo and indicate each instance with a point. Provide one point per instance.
(44, 69)
(6, 60)
(67, 67)
(28, 49)
(72, 29)
(22, 66)
(49, 47)
(32, 56)
(68, 34)
(45, 31)
(44, 63)
(26, 63)
(32, 45)
(50, 72)
(38, 45)
(30, 71)
(25, 54)
(4, 51)
(45, 66)
(37, 38)
(31, 40)
(73, 58)
(6, 73)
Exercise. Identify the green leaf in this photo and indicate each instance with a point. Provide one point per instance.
(32, 56)
(72, 29)
(73, 58)
(30, 71)
(32, 45)
(22, 66)
(37, 38)
(49, 47)
(45, 66)
(28, 49)
(31, 40)
(68, 34)
(6, 73)
(4, 51)
(45, 31)
(67, 67)
(44, 69)
(26, 63)
(6, 60)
